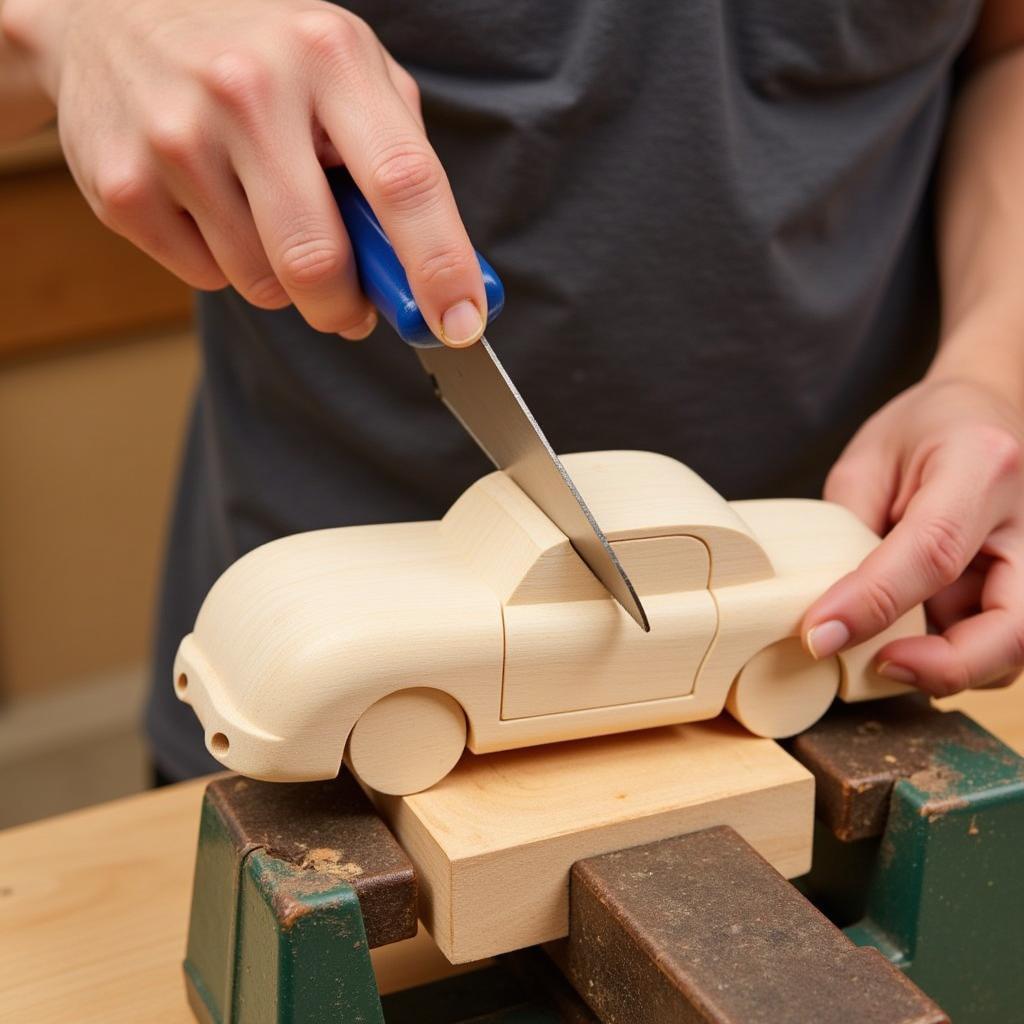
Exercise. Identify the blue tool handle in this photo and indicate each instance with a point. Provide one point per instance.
(381, 274)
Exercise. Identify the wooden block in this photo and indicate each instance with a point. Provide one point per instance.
(857, 754)
(493, 843)
(699, 929)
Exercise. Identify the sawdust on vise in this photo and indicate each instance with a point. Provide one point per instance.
(937, 781)
(328, 862)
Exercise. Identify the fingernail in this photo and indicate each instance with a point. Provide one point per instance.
(364, 330)
(827, 638)
(462, 324)
(897, 673)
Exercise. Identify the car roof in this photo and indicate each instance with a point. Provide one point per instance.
(633, 494)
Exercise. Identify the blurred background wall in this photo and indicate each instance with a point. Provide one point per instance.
(97, 366)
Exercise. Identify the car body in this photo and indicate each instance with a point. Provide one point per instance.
(490, 611)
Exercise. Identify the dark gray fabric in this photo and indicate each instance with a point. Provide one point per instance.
(712, 222)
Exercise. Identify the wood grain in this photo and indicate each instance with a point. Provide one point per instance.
(571, 655)
(1000, 711)
(429, 718)
(493, 842)
(781, 688)
(94, 912)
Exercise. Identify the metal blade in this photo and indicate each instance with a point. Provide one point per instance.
(475, 387)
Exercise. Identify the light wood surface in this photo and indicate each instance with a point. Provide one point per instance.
(999, 711)
(94, 914)
(565, 656)
(781, 685)
(493, 842)
(418, 716)
(492, 607)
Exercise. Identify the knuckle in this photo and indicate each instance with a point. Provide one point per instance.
(329, 36)
(406, 177)
(238, 79)
(1002, 450)
(943, 549)
(311, 263)
(266, 293)
(881, 603)
(176, 140)
(443, 264)
(122, 193)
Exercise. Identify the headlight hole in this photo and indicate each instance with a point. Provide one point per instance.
(219, 744)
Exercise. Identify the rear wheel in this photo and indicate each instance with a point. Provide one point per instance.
(407, 741)
(782, 690)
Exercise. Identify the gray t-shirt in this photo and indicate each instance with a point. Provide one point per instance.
(713, 224)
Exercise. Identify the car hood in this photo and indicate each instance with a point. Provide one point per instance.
(307, 631)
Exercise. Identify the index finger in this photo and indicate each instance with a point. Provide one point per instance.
(945, 524)
(388, 155)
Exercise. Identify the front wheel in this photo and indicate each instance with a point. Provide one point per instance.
(407, 741)
(782, 690)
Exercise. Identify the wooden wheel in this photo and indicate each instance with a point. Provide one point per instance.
(782, 690)
(407, 741)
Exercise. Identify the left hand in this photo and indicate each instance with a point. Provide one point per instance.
(940, 471)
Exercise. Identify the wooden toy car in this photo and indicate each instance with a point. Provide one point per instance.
(400, 645)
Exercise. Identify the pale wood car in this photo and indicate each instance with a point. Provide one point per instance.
(400, 645)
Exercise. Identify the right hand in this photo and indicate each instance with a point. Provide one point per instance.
(200, 130)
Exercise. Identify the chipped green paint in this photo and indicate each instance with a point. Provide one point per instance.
(946, 898)
(271, 944)
(300, 957)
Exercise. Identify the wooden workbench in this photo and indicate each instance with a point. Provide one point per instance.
(94, 911)
(94, 905)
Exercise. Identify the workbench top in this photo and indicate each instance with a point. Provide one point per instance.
(94, 911)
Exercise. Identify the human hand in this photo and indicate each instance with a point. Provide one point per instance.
(941, 465)
(199, 132)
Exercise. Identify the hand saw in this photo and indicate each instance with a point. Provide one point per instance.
(473, 384)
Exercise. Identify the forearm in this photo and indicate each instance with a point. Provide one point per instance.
(24, 107)
(981, 231)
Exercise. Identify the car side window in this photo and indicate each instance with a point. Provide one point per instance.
(665, 565)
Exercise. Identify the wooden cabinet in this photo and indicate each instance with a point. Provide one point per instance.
(97, 365)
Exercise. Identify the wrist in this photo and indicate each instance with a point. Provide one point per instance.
(987, 351)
